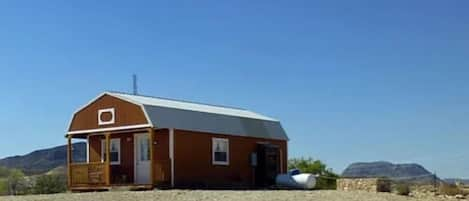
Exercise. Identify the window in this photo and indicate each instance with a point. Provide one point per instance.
(144, 146)
(115, 151)
(106, 116)
(220, 151)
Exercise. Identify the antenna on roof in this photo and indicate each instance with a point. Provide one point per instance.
(134, 78)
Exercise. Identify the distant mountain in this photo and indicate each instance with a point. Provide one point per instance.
(454, 181)
(400, 172)
(45, 160)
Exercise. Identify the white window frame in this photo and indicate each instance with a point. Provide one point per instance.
(225, 140)
(103, 150)
(107, 110)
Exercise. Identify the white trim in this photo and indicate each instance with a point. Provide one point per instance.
(135, 158)
(83, 107)
(225, 140)
(109, 129)
(149, 122)
(146, 115)
(87, 149)
(136, 135)
(135, 103)
(171, 154)
(107, 110)
(103, 147)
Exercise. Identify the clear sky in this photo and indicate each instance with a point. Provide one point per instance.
(350, 80)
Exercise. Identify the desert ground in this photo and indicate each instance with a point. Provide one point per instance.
(199, 195)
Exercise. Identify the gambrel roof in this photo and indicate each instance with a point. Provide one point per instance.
(169, 113)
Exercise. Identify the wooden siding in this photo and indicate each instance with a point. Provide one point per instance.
(162, 167)
(88, 174)
(193, 160)
(126, 114)
(126, 167)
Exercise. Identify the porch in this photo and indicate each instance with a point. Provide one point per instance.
(119, 159)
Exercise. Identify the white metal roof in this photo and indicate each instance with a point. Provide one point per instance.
(184, 105)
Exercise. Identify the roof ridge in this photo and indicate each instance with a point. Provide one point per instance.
(179, 100)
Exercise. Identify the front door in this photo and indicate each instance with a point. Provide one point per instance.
(142, 158)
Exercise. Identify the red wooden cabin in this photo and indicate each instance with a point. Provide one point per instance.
(149, 142)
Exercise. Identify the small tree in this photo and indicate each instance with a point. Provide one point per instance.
(47, 184)
(16, 182)
(327, 178)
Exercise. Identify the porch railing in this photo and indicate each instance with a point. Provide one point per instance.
(93, 173)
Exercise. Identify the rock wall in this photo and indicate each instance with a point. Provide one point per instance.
(364, 184)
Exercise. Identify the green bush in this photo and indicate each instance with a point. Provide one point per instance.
(16, 183)
(327, 178)
(403, 189)
(326, 183)
(3, 187)
(48, 184)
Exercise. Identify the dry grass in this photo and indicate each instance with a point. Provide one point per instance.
(449, 189)
(183, 195)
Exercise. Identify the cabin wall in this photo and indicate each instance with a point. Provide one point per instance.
(193, 160)
(126, 114)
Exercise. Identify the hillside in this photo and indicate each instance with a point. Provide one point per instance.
(42, 161)
(454, 180)
(402, 172)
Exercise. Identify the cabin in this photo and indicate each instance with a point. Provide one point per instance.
(147, 142)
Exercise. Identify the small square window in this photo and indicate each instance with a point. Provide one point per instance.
(220, 151)
(114, 153)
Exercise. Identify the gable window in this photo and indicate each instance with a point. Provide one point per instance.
(220, 151)
(114, 153)
(106, 116)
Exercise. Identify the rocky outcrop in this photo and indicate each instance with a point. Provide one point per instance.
(402, 172)
(364, 184)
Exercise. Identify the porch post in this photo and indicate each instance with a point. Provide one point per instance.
(151, 134)
(69, 160)
(108, 159)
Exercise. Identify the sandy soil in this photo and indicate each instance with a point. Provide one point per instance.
(180, 195)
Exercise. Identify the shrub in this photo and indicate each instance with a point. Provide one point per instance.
(48, 184)
(403, 189)
(16, 183)
(326, 183)
(4, 172)
(3, 187)
(327, 178)
(449, 189)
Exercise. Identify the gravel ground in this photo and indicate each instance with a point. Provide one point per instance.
(180, 195)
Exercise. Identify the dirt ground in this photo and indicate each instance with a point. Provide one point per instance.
(196, 195)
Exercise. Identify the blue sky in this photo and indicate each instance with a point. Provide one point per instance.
(350, 80)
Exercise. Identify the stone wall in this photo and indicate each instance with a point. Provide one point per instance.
(364, 184)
